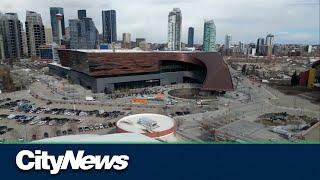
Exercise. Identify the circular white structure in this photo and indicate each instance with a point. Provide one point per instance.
(151, 125)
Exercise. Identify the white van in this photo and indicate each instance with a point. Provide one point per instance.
(90, 98)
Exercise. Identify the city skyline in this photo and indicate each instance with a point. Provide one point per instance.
(299, 22)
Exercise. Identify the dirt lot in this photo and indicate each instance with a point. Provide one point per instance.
(312, 95)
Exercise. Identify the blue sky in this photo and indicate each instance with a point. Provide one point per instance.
(292, 21)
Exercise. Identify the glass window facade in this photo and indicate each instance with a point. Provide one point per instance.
(136, 84)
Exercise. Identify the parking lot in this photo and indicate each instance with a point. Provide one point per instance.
(25, 118)
(21, 120)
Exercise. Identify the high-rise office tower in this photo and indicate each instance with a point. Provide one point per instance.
(35, 33)
(260, 46)
(174, 30)
(109, 26)
(190, 36)
(10, 30)
(67, 35)
(83, 34)
(269, 44)
(48, 33)
(75, 33)
(269, 40)
(126, 40)
(209, 36)
(227, 41)
(139, 40)
(54, 22)
(241, 47)
(2, 56)
(82, 13)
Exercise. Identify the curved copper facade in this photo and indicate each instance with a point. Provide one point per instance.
(96, 64)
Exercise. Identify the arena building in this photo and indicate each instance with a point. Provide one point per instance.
(107, 70)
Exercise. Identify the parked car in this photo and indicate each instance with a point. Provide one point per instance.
(70, 131)
(52, 122)
(58, 133)
(35, 121)
(96, 127)
(105, 125)
(80, 129)
(41, 123)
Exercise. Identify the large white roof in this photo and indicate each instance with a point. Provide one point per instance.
(131, 123)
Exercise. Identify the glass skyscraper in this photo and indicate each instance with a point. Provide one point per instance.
(174, 30)
(54, 23)
(83, 34)
(209, 36)
(190, 36)
(260, 46)
(109, 26)
(82, 13)
(227, 41)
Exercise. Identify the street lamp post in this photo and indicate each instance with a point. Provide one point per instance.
(26, 132)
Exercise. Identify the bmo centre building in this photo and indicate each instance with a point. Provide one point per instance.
(105, 71)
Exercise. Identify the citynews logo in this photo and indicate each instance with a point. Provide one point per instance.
(40, 160)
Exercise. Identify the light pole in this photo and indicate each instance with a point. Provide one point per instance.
(26, 133)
